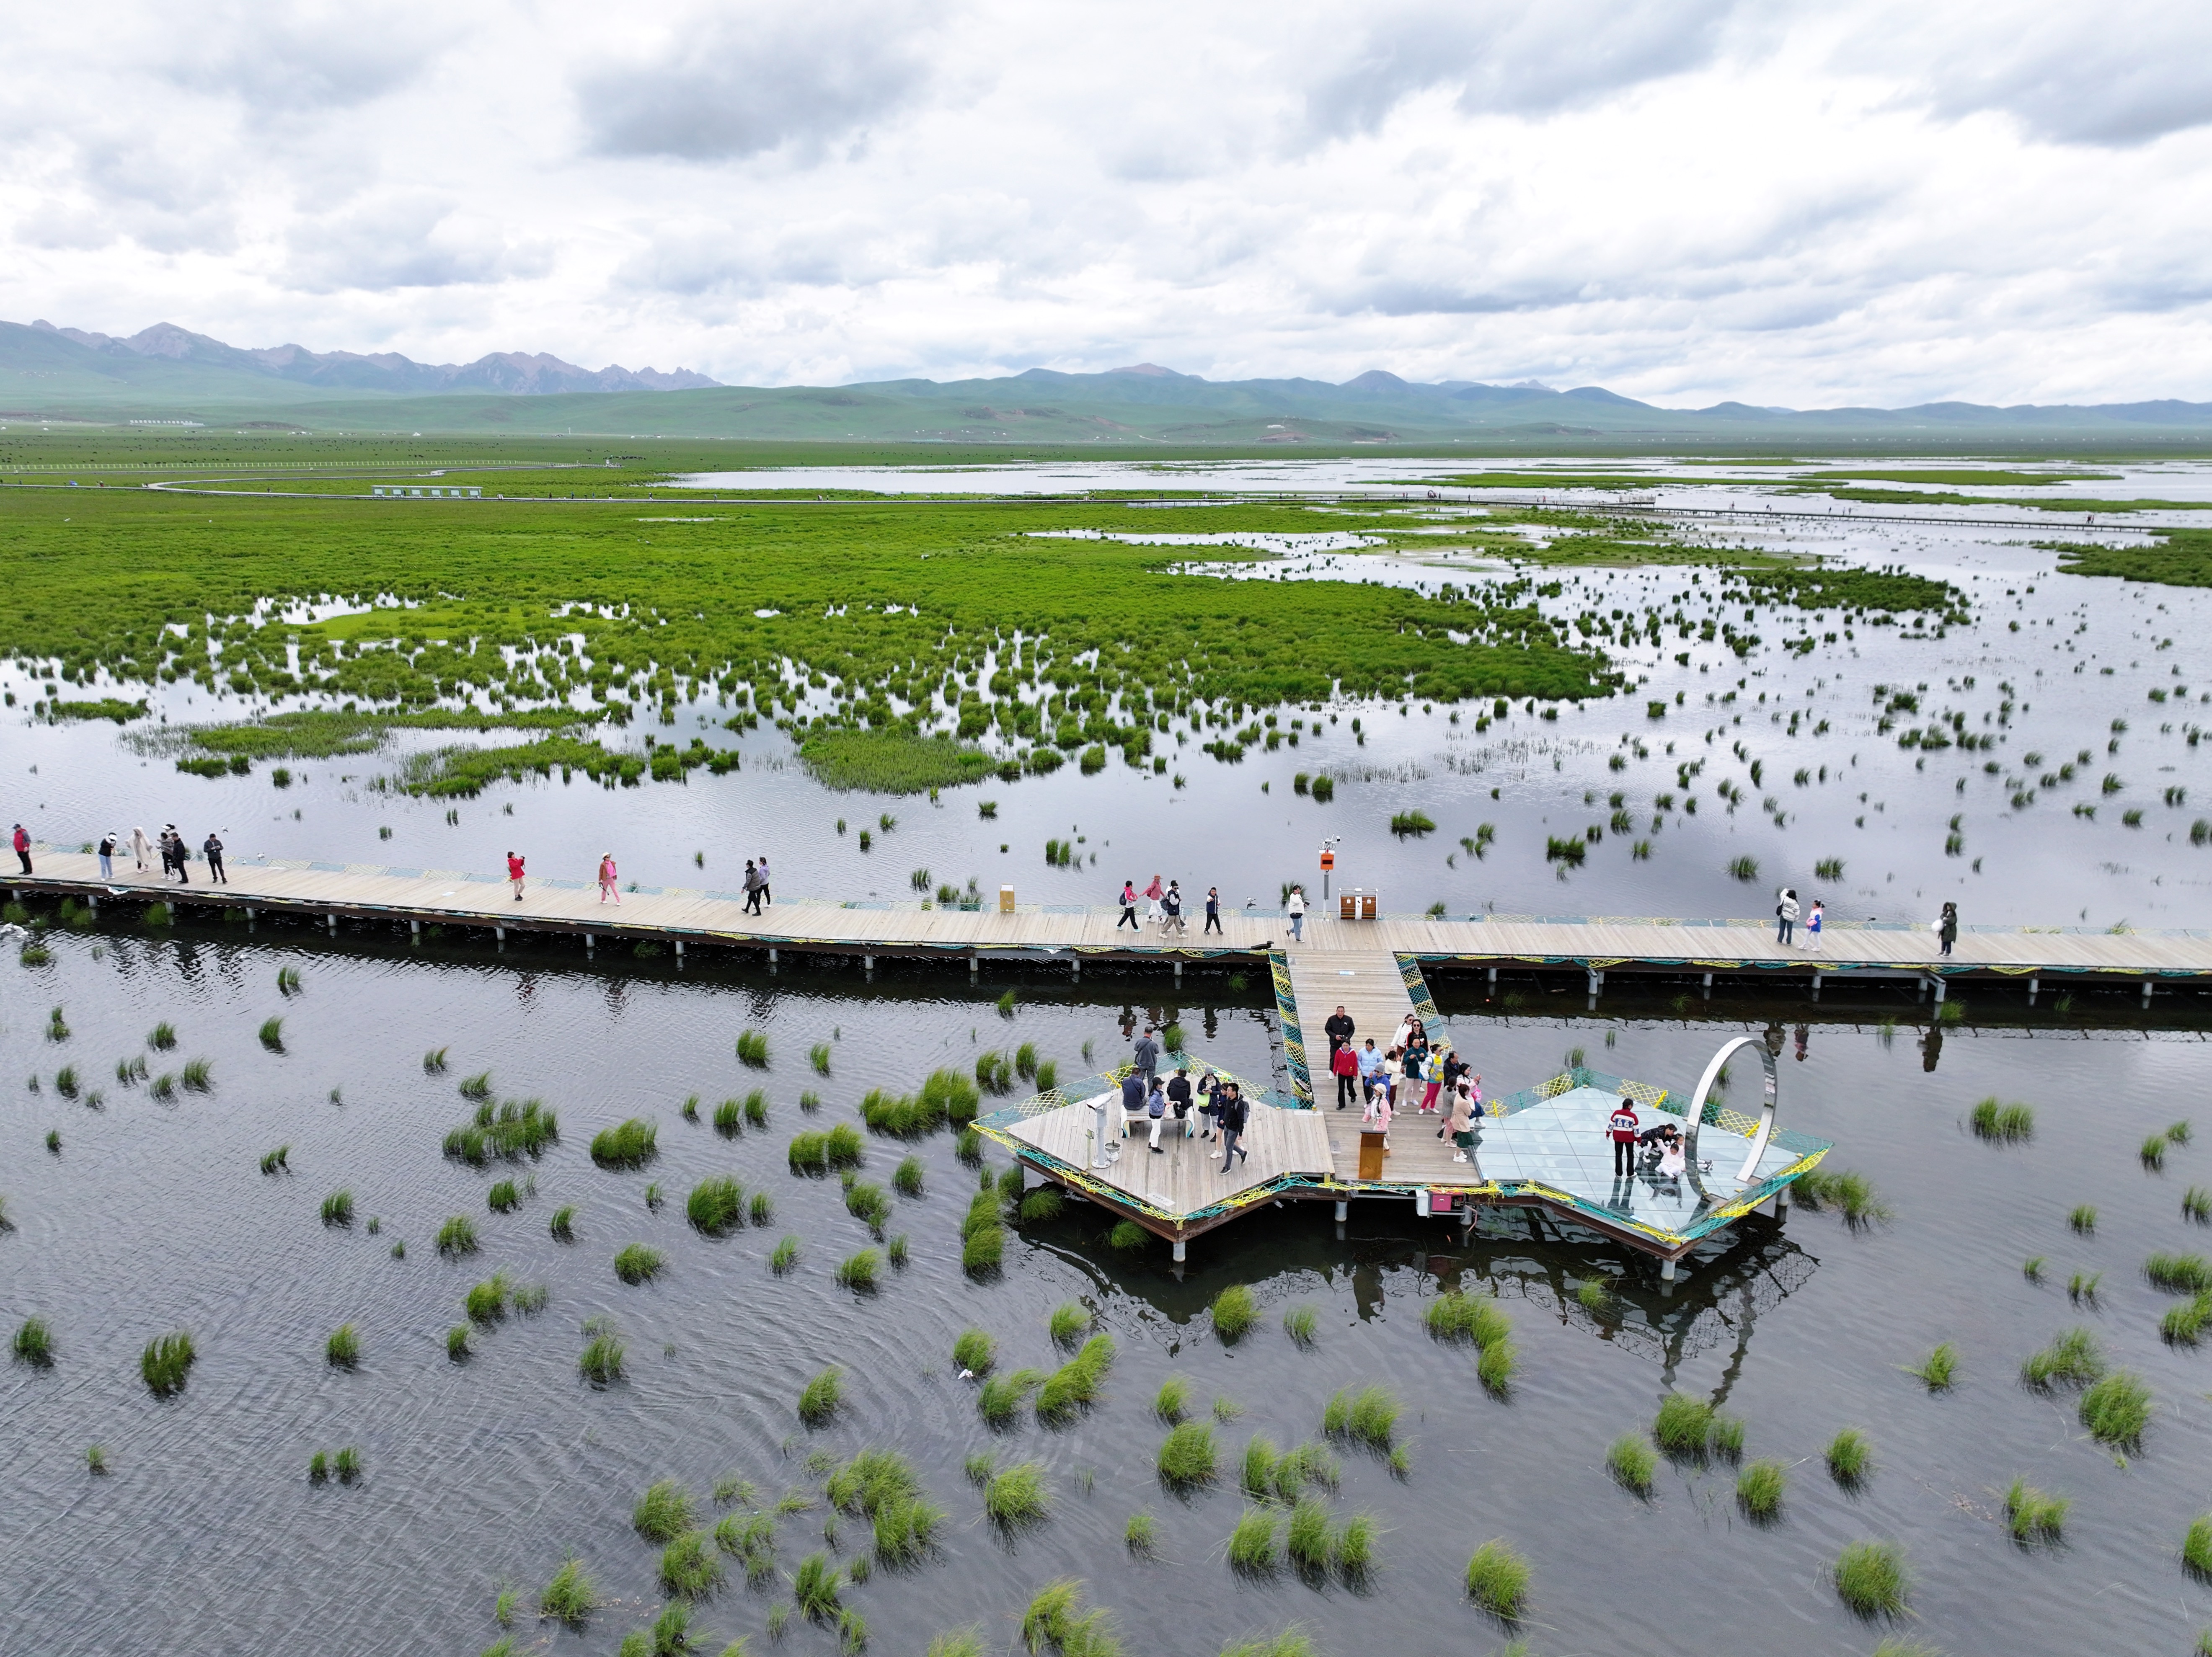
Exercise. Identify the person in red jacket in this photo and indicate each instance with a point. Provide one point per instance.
(1621, 1130)
(514, 874)
(23, 847)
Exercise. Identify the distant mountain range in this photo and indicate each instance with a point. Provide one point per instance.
(169, 375)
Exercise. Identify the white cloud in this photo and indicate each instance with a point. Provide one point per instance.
(1865, 202)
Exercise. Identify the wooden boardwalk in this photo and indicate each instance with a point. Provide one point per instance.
(1186, 1175)
(1594, 947)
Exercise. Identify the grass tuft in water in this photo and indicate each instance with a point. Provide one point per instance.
(2197, 1204)
(906, 1178)
(272, 1161)
(433, 1062)
(197, 1075)
(690, 1567)
(1172, 1402)
(569, 1597)
(858, 1272)
(162, 1037)
(2184, 1274)
(1498, 1580)
(2072, 1359)
(1257, 1474)
(814, 1586)
(34, 1343)
(1939, 1369)
(1305, 1539)
(1851, 1195)
(784, 1256)
(1759, 1489)
(165, 1363)
(562, 1226)
(1850, 1457)
(1252, 1544)
(1187, 1457)
(1000, 1398)
(752, 1048)
(2003, 1124)
(818, 1400)
(1076, 1383)
(716, 1206)
(1016, 1496)
(635, 1263)
(2034, 1515)
(1070, 1323)
(1368, 1417)
(974, 1351)
(457, 1342)
(1870, 1578)
(342, 1350)
(1299, 1323)
(503, 1197)
(2116, 1410)
(337, 1208)
(1051, 1623)
(1632, 1463)
(486, 1303)
(1684, 1426)
(983, 1251)
(2153, 1152)
(630, 1145)
(2197, 1549)
(602, 1360)
(729, 1118)
(663, 1513)
(1234, 1311)
(2083, 1218)
(1141, 1535)
(1044, 1204)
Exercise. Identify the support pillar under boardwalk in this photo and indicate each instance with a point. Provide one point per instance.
(414, 929)
(1343, 1212)
(1178, 1251)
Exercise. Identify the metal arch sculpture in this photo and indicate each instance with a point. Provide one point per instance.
(1770, 1084)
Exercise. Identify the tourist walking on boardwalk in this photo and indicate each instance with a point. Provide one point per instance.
(1785, 914)
(1432, 1073)
(1297, 906)
(753, 887)
(1179, 1099)
(1946, 927)
(1212, 909)
(1209, 1107)
(1147, 1055)
(1128, 908)
(1171, 910)
(1812, 926)
(140, 846)
(1371, 1073)
(1461, 1124)
(23, 847)
(767, 896)
(107, 855)
(1153, 892)
(607, 879)
(1234, 1114)
(1156, 1107)
(1343, 1063)
(1620, 1128)
(180, 860)
(212, 847)
(515, 875)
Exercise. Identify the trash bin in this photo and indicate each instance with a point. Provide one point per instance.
(1005, 899)
(1367, 906)
(1347, 906)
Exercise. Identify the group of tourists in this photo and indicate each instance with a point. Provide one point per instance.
(1785, 919)
(1163, 907)
(176, 854)
(1411, 1074)
(1211, 1105)
(1661, 1153)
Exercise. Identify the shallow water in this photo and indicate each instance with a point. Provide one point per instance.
(206, 1536)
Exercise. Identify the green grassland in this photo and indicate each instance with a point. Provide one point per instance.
(2180, 558)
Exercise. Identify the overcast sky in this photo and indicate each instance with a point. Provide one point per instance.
(1854, 200)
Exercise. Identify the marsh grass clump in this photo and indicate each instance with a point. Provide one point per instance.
(2153, 1153)
(1851, 1195)
(784, 1257)
(162, 1036)
(1234, 1311)
(2184, 1325)
(2083, 1219)
(1141, 1535)
(635, 1263)
(457, 1343)
(342, 1350)
(2116, 1410)
(729, 1118)
(601, 1362)
(818, 1399)
(1050, 1624)
(2072, 1359)
(865, 1202)
(486, 1301)
(968, 1147)
(34, 1343)
(2197, 1549)
(457, 1237)
(1076, 1383)
(1187, 1457)
(165, 1363)
(163, 1087)
(1759, 1489)
(272, 1035)
(630, 1145)
(1258, 1471)
(2003, 1124)
(1870, 1578)
(858, 1272)
(434, 1061)
(1172, 1402)
(690, 1567)
(1632, 1462)
(1850, 1457)
(983, 1250)
(1042, 1204)
(1368, 1417)
(2081, 1288)
(337, 1208)
(2197, 1204)
(814, 1586)
(1069, 1324)
(272, 1161)
(974, 1351)
(1306, 1538)
(503, 1197)
(1252, 1544)
(1939, 1369)
(2181, 1274)
(1299, 1323)
(1684, 1426)
(716, 1205)
(1000, 1399)
(563, 1225)
(477, 1087)
(2034, 1515)
(1016, 1496)
(906, 1178)
(1498, 1580)
(752, 1048)
(569, 1597)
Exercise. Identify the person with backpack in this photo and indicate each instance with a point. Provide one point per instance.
(1128, 901)
(1620, 1128)
(1171, 910)
(753, 888)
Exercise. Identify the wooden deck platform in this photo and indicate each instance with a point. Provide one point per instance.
(1186, 1177)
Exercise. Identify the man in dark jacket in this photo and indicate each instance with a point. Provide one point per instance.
(1339, 1031)
(1212, 909)
(213, 847)
(1147, 1055)
(1233, 1113)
